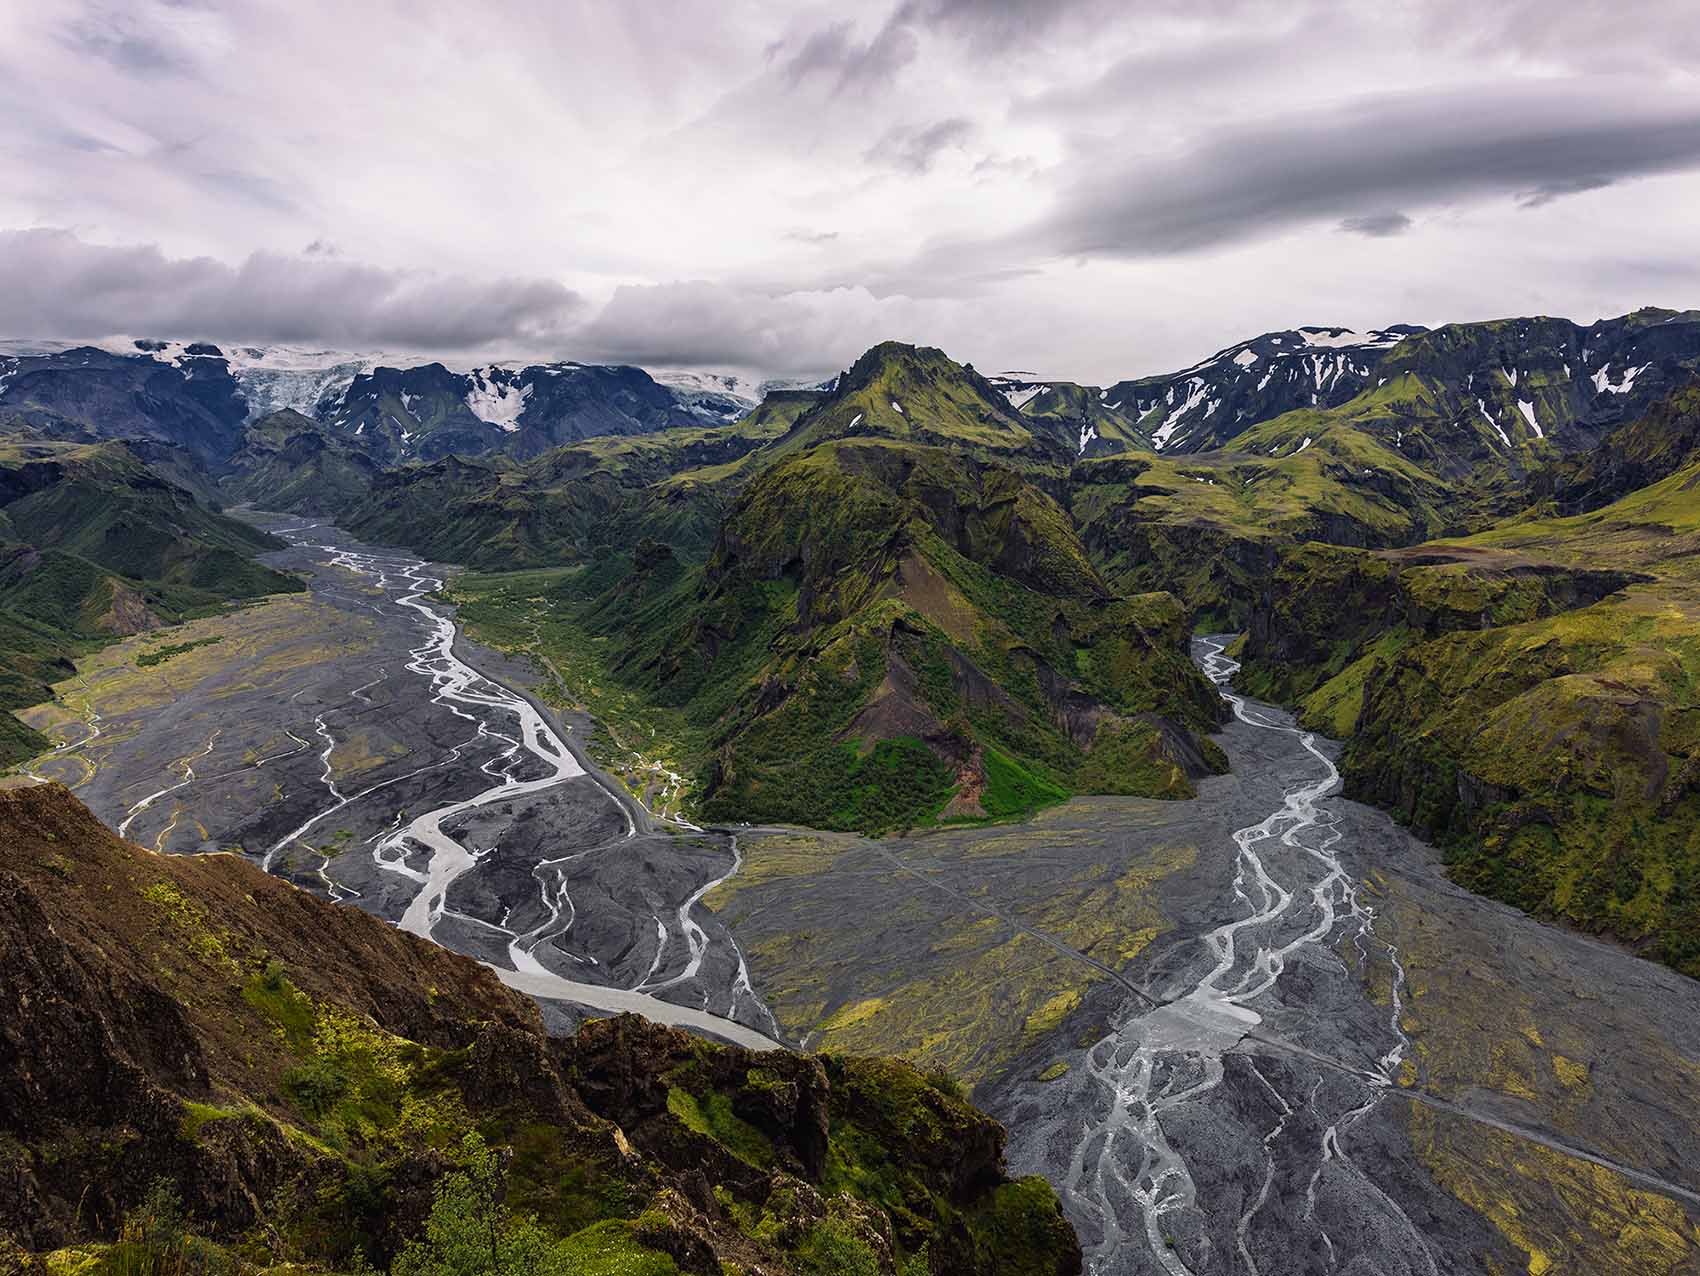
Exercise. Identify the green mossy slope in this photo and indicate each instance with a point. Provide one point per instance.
(888, 634)
(1529, 697)
(94, 545)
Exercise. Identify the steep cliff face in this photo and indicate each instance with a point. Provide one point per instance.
(1322, 609)
(303, 1076)
(1640, 452)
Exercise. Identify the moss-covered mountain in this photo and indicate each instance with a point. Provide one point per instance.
(1580, 380)
(887, 633)
(1206, 406)
(1442, 434)
(1527, 696)
(290, 463)
(1099, 424)
(918, 394)
(573, 504)
(204, 1068)
(1642, 452)
(93, 545)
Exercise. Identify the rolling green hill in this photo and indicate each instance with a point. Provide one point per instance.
(93, 545)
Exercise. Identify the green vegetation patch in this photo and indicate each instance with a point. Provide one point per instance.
(159, 655)
(1011, 789)
(712, 1115)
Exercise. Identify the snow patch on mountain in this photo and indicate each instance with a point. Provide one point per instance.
(496, 399)
(1603, 383)
(1528, 410)
(1503, 437)
(1019, 398)
(1198, 390)
(735, 385)
(1334, 338)
(275, 378)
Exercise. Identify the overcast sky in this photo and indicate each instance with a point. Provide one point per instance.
(1083, 188)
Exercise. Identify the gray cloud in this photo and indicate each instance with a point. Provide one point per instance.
(1546, 192)
(986, 26)
(60, 285)
(1130, 164)
(834, 52)
(1355, 161)
(124, 50)
(1377, 225)
(912, 149)
(699, 323)
(811, 236)
(999, 25)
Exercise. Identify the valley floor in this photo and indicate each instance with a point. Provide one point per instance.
(341, 740)
(1433, 1083)
(1257, 1031)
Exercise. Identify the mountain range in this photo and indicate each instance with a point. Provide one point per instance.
(964, 544)
(912, 597)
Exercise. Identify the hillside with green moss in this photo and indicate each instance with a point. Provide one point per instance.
(1098, 424)
(918, 394)
(1526, 696)
(289, 463)
(207, 1069)
(1445, 432)
(888, 634)
(94, 545)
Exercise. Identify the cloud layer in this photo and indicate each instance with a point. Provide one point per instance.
(58, 285)
(1094, 190)
(1353, 163)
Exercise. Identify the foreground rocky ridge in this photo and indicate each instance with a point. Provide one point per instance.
(303, 1074)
